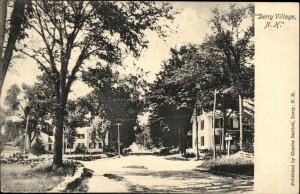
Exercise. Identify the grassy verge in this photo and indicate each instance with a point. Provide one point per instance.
(233, 165)
(80, 184)
(23, 178)
(177, 159)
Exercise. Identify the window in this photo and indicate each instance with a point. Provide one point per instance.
(202, 141)
(202, 125)
(100, 145)
(92, 145)
(218, 139)
(235, 123)
(80, 136)
(219, 123)
(70, 146)
(50, 147)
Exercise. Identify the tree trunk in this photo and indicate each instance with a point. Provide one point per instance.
(3, 12)
(58, 142)
(17, 19)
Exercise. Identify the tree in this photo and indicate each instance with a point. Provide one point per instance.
(232, 38)
(187, 74)
(192, 71)
(115, 99)
(15, 32)
(33, 108)
(81, 30)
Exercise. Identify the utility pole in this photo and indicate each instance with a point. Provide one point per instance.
(197, 144)
(26, 129)
(119, 150)
(179, 140)
(214, 130)
(241, 121)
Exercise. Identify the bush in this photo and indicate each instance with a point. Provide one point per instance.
(80, 150)
(190, 155)
(248, 141)
(38, 147)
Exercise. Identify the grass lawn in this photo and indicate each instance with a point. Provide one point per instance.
(21, 178)
(232, 164)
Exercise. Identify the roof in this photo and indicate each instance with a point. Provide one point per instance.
(46, 138)
(219, 113)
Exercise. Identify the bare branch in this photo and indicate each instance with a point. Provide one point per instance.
(39, 62)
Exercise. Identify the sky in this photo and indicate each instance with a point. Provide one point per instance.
(192, 28)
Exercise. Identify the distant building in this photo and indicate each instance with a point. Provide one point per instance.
(83, 139)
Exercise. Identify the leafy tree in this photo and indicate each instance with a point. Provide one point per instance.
(81, 30)
(11, 100)
(34, 106)
(80, 149)
(183, 77)
(193, 71)
(232, 40)
(116, 99)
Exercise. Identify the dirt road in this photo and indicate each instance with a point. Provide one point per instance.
(157, 174)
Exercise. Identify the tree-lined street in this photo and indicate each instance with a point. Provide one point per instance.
(193, 104)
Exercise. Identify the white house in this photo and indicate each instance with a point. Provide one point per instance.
(205, 130)
(83, 139)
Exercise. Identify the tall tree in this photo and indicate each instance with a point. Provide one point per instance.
(16, 29)
(72, 32)
(115, 98)
(232, 38)
(33, 107)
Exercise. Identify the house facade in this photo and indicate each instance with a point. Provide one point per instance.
(83, 139)
(206, 131)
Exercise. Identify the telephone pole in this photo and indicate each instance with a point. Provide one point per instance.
(214, 129)
(119, 150)
(25, 135)
(197, 138)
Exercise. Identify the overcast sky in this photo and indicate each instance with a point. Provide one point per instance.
(192, 28)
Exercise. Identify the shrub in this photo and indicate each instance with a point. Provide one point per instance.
(248, 142)
(38, 147)
(190, 155)
(80, 150)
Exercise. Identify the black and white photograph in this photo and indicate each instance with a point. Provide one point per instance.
(139, 96)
